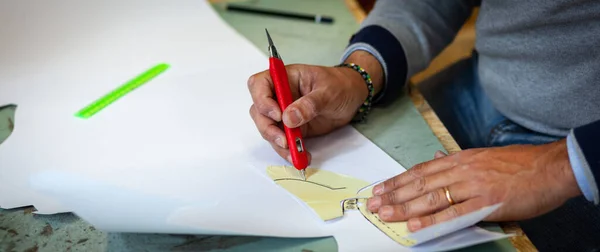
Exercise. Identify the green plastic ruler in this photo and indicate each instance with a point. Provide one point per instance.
(121, 91)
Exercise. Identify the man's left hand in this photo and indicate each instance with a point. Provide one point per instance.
(529, 180)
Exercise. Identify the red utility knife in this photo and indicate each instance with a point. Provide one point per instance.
(284, 98)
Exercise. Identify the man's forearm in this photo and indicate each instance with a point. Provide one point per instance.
(379, 44)
(368, 62)
(405, 36)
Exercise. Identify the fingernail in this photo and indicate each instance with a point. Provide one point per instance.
(289, 158)
(414, 224)
(279, 141)
(295, 117)
(439, 154)
(374, 203)
(273, 115)
(378, 189)
(386, 212)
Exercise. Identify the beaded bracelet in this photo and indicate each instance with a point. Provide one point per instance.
(365, 108)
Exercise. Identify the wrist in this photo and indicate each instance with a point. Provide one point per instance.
(364, 107)
(559, 158)
(356, 83)
(371, 65)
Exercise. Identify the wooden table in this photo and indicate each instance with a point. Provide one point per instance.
(460, 48)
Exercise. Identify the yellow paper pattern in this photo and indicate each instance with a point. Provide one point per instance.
(398, 231)
(325, 191)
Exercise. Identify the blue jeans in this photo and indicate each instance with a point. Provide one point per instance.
(457, 98)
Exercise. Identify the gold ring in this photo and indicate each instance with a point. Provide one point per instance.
(448, 196)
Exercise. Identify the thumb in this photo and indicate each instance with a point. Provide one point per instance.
(304, 109)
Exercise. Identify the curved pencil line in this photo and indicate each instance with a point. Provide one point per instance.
(329, 187)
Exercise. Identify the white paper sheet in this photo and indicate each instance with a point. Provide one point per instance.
(180, 154)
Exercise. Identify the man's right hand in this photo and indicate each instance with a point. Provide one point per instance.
(325, 99)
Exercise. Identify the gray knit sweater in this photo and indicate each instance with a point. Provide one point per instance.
(539, 60)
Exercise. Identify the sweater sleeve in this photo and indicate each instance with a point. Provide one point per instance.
(405, 36)
(583, 145)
